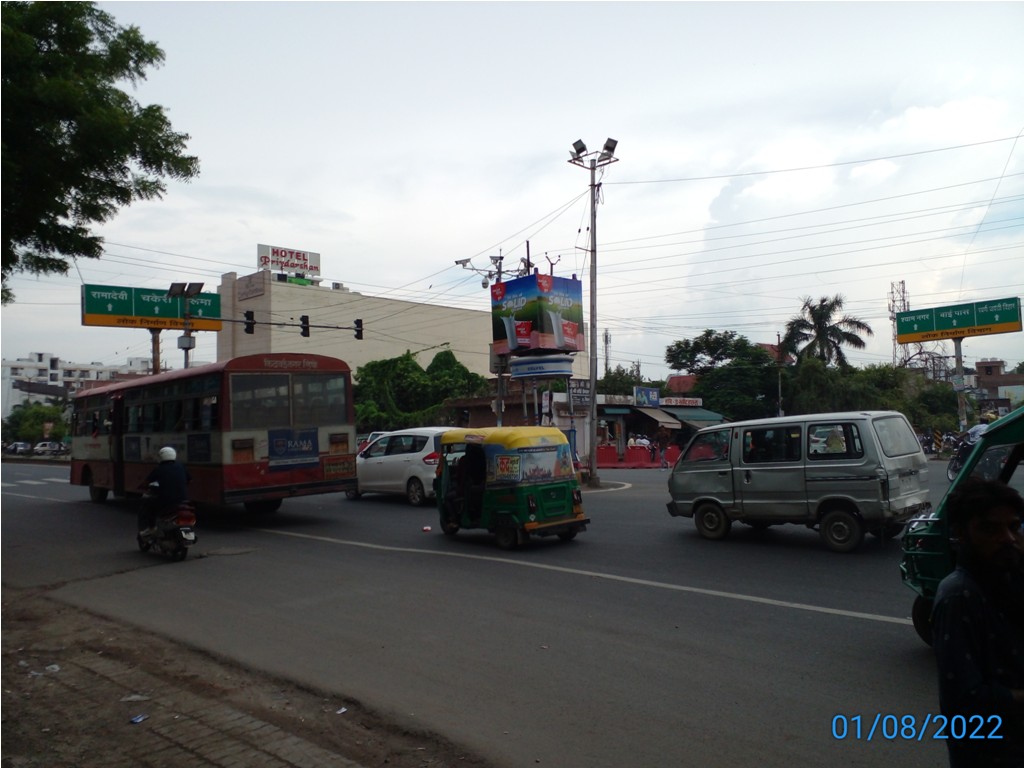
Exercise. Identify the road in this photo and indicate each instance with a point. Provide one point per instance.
(638, 644)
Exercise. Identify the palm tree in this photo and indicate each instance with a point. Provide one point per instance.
(821, 333)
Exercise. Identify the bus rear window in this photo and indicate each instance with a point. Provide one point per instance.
(259, 400)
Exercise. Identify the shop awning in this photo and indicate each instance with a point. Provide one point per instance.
(664, 419)
(696, 417)
(612, 411)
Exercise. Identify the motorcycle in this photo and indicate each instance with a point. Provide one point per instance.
(961, 450)
(174, 532)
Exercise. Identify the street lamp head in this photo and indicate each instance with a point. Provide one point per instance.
(176, 289)
(193, 289)
(579, 147)
(608, 151)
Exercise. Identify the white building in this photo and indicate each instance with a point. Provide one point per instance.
(44, 369)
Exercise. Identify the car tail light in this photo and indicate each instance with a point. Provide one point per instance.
(431, 458)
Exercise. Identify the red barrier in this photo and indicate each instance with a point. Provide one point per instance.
(672, 454)
(607, 456)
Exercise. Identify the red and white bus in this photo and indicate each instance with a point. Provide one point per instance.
(255, 430)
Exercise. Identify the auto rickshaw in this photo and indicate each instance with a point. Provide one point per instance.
(515, 482)
(929, 553)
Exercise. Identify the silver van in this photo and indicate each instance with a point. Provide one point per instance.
(842, 473)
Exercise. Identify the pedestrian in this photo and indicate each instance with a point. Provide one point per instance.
(661, 437)
(978, 628)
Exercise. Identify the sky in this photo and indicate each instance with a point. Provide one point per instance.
(766, 151)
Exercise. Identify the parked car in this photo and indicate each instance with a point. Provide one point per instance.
(843, 474)
(49, 448)
(19, 449)
(402, 462)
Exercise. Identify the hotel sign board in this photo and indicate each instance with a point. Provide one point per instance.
(979, 318)
(151, 308)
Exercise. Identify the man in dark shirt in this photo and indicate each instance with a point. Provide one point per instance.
(978, 629)
(172, 481)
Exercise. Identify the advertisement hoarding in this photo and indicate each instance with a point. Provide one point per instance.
(537, 313)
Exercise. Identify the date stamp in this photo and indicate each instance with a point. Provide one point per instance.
(915, 727)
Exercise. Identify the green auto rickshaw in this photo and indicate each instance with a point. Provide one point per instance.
(929, 553)
(515, 482)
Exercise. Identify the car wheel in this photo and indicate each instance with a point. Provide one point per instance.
(143, 544)
(921, 614)
(711, 521)
(414, 492)
(841, 531)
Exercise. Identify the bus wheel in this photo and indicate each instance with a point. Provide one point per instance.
(921, 614)
(96, 494)
(263, 507)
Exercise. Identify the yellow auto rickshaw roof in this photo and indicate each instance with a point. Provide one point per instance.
(508, 437)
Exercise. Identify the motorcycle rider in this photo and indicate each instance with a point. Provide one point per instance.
(171, 480)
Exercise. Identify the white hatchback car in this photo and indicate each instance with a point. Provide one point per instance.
(402, 462)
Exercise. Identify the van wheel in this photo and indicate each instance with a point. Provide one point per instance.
(712, 522)
(921, 614)
(841, 531)
(353, 492)
(414, 492)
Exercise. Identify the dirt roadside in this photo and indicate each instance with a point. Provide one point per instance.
(73, 681)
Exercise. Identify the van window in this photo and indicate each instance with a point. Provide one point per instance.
(834, 441)
(771, 444)
(895, 436)
(709, 446)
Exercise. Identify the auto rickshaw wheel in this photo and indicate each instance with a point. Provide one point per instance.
(507, 536)
(711, 521)
(921, 614)
(568, 535)
(449, 518)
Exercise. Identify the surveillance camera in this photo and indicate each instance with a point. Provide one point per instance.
(484, 283)
(461, 262)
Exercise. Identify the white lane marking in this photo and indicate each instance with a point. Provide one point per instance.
(56, 480)
(606, 576)
(37, 498)
(31, 482)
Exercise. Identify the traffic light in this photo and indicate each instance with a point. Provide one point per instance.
(359, 329)
(304, 322)
(250, 321)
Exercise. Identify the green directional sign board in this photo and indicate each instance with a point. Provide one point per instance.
(122, 307)
(979, 318)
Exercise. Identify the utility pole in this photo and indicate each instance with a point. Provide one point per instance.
(593, 161)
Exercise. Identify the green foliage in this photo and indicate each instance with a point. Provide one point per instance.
(620, 381)
(709, 350)
(1019, 368)
(818, 332)
(397, 393)
(29, 422)
(745, 387)
(76, 148)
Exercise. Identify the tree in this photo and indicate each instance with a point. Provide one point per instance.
(620, 381)
(75, 147)
(822, 334)
(707, 351)
(33, 422)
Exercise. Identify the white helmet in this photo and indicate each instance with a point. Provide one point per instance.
(168, 454)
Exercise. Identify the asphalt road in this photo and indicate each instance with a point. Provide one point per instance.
(638, 644)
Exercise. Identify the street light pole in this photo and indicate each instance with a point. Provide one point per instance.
(606, 157)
